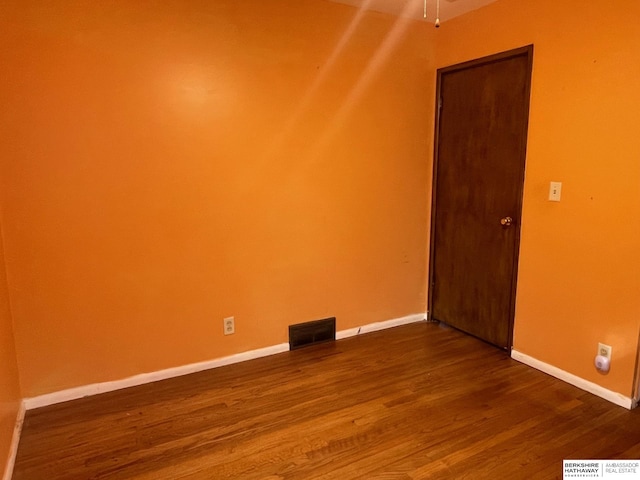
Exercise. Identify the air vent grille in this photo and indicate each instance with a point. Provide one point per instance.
(311, 333)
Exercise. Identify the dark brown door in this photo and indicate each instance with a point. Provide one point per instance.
(481, 132)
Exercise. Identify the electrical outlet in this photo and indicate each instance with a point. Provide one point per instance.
(604, 350)
(229, 326)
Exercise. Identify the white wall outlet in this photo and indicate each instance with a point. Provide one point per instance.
(555, 190)
(229, 326)
(603, 358)
(604, 350)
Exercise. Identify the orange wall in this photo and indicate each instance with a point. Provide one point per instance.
(168, 165)
(579, 261)
(9, 381)
(165, 167)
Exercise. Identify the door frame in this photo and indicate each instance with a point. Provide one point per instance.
(528, 51)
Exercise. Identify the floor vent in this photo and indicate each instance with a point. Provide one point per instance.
(310, 333)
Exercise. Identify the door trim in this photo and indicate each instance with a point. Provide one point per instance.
(521, 51)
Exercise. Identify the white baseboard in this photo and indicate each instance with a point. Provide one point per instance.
(373, 327)
(15, 440)
(586, 385)
(96, 388)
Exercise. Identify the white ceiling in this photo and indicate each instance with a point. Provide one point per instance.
(415, 8)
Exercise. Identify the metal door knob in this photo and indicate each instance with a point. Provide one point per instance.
(506, 221)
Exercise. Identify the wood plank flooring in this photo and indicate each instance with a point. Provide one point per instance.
(413, 402)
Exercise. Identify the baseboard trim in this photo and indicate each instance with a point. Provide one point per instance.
(141, 379)
(586, 385)
(15, 440)
(373, 327)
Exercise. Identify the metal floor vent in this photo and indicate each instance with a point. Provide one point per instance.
(310, 333)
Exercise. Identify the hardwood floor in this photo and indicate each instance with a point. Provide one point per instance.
(413, 402)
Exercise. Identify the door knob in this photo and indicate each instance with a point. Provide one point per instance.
(506, 221)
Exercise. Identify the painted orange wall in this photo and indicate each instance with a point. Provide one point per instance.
(10, 396)
(579, 261)
(166, 166)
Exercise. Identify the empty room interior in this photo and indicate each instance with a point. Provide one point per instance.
(167, 165)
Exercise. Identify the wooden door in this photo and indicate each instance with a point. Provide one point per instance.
(481, 132)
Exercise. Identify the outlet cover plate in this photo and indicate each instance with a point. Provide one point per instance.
(229, 326)
(604, 350)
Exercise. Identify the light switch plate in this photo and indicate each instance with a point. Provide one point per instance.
(555, 190)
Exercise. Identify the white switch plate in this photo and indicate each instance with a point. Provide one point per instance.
(555, 190)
